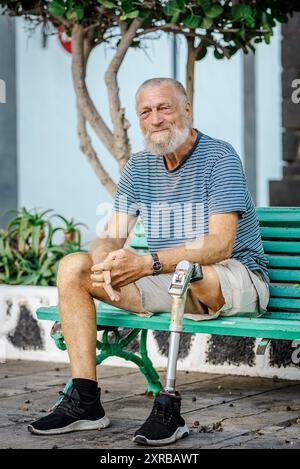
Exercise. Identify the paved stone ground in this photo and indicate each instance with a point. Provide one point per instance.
(221, 411)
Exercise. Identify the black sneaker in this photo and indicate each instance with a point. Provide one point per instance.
(71, 414)
(165, 424)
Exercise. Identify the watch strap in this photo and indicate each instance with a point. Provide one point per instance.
(156, 266)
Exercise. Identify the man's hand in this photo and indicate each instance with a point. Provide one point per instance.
(98, 257)
(118, 269)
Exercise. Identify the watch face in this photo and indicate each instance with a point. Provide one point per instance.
(156, 265)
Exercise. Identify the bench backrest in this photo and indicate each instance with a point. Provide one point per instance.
(280, 231)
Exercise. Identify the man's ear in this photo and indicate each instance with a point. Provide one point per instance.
(188, 109)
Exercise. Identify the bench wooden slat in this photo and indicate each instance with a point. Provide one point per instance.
(289, 315)
(280, 275)
(285, 291)
(276, 260)
(287, 303)
(279, 232)
(279, 215)
(282, 246)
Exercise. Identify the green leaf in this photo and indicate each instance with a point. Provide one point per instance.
(267, 38)
(129, 8)
(79, 12)
(175, 17)
(202, 53)
(174, 7)
(241, 12)
(71, 15)
(30, 279)
(135, 43)
(133, 14)
(192, 21)
(107, 3)
(218, 55)
(243, 33)
(43, 282)
(76, 14)
(282, 18)
(206, 23)
(204, 4)
(57, 7)
(250, 21)
(251, 47)
(214, 11)
(145, 14)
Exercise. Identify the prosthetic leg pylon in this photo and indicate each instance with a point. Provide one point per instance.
(185, 273)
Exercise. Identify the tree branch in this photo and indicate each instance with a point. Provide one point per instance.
(60, 19)
(190, 70)
(84, 101)
(122, 147)
(84, 139)
(88, 150)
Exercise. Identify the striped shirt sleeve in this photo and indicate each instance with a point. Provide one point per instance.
(227, 186)
(126, 200)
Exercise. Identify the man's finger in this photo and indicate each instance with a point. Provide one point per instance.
(105, 265)
(114, 295)
(97, 277)
(106, 277)
(107, 261)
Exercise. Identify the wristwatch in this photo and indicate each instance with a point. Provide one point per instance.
(156, 266)
(197, 273)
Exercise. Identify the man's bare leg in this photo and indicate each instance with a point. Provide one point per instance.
(78, 313)
(208, 290)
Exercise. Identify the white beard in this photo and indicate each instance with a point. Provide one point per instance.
(167, 141)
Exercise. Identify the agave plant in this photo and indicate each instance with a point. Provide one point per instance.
(72, 233)
(28, 253)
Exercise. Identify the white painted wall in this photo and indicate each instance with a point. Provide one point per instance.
(268, 111)
(52, 171)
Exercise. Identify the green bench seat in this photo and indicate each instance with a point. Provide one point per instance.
(280, 231)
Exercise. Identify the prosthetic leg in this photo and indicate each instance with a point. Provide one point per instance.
(165, 424)
(184, 274)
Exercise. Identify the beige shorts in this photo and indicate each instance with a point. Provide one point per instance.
(244, 291)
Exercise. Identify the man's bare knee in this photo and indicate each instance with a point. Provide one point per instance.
(73, 267)
(208, 290)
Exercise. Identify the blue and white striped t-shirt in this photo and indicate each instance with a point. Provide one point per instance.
(174, 205)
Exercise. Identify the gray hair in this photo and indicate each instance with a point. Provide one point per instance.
(165, 81)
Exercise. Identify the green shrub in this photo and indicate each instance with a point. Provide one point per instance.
(28, 253)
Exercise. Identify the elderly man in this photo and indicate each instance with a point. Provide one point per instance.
(181, 169)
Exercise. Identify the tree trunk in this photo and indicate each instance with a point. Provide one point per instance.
(83, 48)
(190, 71)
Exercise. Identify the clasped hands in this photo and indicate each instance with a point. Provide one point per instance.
(117, 269)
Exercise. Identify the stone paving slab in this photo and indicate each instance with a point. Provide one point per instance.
(221, 411)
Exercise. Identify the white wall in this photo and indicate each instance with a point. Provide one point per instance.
(268, 111)
(52, 171)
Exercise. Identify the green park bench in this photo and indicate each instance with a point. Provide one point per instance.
(280, 231)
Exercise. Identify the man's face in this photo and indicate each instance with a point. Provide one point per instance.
(163, 119)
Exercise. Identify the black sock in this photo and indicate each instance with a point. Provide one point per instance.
(87, 388)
